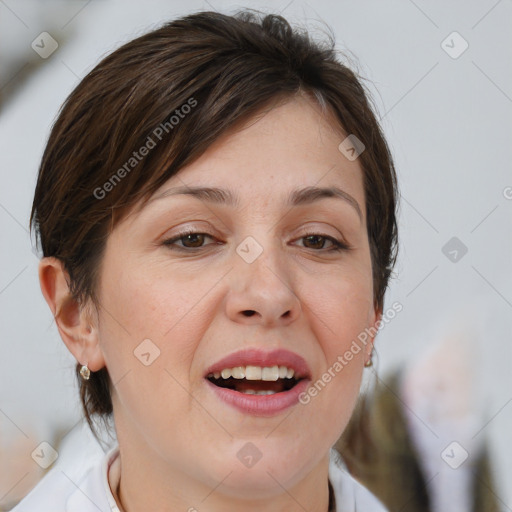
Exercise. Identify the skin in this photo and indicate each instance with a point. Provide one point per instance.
(178, 441)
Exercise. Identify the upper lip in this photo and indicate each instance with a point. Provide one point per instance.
(263, 358)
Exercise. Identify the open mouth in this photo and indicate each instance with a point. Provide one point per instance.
(255, 380)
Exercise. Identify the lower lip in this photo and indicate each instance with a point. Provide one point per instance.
(261, 405)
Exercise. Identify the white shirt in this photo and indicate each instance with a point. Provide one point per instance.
(84, 487)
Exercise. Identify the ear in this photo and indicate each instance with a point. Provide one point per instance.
(77, 324)
(373, 327)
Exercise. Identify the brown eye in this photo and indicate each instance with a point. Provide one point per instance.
(192, 240)
(317, 242)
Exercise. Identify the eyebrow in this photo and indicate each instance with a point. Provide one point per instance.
(298, 197)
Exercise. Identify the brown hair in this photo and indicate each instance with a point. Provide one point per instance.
(176, 90)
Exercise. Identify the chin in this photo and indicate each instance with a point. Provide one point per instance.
(262, 473)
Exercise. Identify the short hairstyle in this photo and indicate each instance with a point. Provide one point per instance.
(175, 91)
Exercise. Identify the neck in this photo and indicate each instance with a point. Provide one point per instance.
(143, 486)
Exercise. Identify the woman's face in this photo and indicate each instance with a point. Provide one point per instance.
(259, 273)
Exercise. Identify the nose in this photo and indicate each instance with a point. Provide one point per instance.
(262, 292)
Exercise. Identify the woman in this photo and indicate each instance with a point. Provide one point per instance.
(216, 210)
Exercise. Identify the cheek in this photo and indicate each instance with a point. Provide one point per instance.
(143, 302)
(339, 305)
(340, 318)
(154, 324)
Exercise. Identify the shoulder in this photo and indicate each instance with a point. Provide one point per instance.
(75, 483)
(350, 495)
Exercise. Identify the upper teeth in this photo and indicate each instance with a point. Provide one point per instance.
(268, 373)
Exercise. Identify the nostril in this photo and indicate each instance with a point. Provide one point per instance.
(248, 312)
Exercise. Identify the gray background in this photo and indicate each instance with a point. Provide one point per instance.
(448, 122)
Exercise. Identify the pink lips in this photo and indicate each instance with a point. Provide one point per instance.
(256, 357)
(262, 405)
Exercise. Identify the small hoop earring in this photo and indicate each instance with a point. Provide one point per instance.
(85, 372)
(369, 362)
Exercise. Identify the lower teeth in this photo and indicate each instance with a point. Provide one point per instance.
(262, 392)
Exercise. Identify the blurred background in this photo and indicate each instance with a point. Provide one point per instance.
(441, 77)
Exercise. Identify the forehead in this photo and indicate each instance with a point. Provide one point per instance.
(267, 158)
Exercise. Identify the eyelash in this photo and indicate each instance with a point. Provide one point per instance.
(337, 244)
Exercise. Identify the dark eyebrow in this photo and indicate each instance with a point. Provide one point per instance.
(298, 197)
(310, 194)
